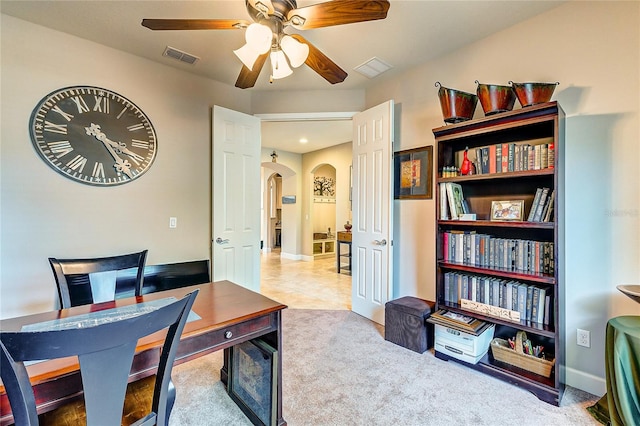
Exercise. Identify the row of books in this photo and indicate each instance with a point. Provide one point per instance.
(458, 321)
(514, 157)
(531, 301)
(486, 251)
(452, 202)
(542, 206)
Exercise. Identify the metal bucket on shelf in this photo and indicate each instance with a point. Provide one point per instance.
(456, 105)
(495, 98)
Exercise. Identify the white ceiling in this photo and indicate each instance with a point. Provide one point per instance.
(414, 32)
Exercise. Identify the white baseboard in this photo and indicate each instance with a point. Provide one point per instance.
(584, 381)
(308, 258)
(290, 256)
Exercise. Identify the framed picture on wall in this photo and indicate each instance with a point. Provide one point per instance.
(413, 173)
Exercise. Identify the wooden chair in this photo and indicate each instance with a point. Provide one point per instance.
(85, 281)
(105, 354)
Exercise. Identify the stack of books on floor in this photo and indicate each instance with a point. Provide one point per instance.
(458, 322)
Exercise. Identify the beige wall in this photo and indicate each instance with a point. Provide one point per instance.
(45, 214)
(593, 50)
(311, 101)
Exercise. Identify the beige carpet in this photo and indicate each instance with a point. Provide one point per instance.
(339, 370)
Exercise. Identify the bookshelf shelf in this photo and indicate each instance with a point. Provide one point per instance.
(533, 327)
(498, 272)
(506, 175)
(490, 224)
(540, 386)
(513, 254)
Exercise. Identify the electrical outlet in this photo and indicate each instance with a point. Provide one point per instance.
(584, 338)
(173, 222)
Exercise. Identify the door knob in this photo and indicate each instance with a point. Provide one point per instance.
(380, 243)
(221, 241)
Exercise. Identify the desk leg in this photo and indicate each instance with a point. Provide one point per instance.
(338, 256)
(280, 420)
(224, 371)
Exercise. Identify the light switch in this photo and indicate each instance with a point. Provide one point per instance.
(173, 222)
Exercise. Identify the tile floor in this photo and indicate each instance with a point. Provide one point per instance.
(305, 285)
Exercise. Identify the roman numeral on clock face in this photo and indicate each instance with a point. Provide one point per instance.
(98, 171)
(64, 115)
(77, 163)
(55, 128)
(135, 127)
(81, 104)
(139, 144)
(60, 148)
(101, 105)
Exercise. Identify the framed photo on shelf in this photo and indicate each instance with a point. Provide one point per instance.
(507, 210)
(253, 380)
(413, 173)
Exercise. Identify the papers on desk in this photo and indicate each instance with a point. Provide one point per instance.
(102, 317)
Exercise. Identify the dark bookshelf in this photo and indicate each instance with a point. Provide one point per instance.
(533, 125)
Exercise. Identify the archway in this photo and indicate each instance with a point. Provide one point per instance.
(279, 222)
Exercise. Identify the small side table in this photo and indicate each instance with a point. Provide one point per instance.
(343, 238)
(621, 404)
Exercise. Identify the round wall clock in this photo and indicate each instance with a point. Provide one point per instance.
(92, 135)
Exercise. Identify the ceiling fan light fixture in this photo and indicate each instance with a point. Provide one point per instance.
(247, 55)
(279, 66)
(296, 52)
(259, 37)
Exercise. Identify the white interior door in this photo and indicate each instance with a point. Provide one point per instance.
(372, 211)
(236, 198)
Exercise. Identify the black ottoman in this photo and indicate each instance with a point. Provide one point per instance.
(405, 323)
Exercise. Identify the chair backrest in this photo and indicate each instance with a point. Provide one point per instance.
(85, 281)
(175, 275)
(105, 353)
(168, 276)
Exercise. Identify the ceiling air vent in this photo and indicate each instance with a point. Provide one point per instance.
(174, 53)
(373, 67)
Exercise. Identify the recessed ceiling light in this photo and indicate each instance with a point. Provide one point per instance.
(304, 140)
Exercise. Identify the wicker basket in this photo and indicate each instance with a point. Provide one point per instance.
(503, 352)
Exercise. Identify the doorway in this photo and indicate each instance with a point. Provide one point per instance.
(296, 258)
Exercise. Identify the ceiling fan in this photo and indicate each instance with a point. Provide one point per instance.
(266, 36)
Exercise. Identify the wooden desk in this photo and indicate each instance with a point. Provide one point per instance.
(230, 314)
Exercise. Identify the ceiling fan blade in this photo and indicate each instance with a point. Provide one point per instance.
(195, 24)
(337, 12)
(321, 63)
(247, 77)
